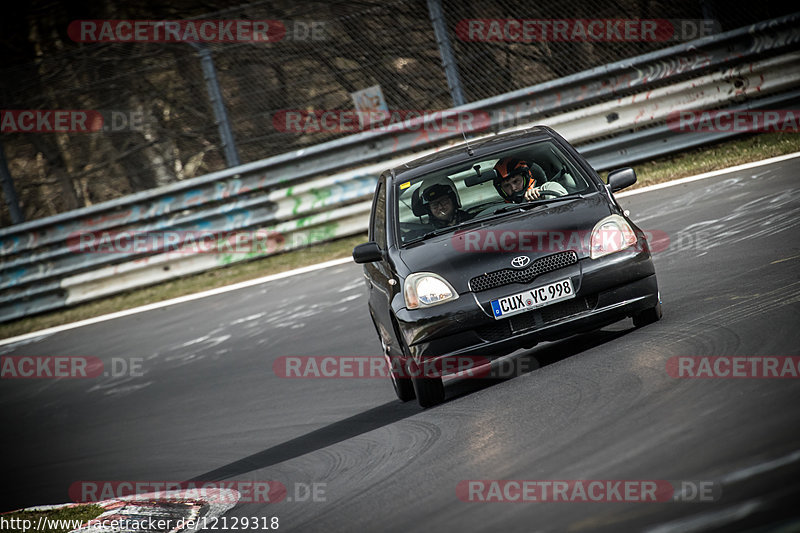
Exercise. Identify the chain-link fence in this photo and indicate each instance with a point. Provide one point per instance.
(160, 124)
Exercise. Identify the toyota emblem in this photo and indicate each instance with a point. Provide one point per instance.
(520, 261)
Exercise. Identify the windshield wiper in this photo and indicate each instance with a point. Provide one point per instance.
(534, 203)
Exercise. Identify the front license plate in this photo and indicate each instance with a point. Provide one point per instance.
(533, 298)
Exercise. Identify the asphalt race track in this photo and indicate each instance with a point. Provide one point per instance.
(601, 406)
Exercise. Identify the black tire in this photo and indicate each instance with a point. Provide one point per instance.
(648, 316)
(403, 386)
(429, 390)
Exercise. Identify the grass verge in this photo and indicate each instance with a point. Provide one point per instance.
(688, 163)
(716, 157)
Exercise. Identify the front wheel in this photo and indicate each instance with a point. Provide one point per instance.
(403, 386)
(429, 390)
(648, 316)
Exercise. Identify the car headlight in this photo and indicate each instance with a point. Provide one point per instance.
(426, 289)
(610, 235)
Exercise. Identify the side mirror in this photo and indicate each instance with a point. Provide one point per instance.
(621, 178)
(367, 253)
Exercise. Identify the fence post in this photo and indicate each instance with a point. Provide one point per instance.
(218, 104)
(446, 51)
(9, 192)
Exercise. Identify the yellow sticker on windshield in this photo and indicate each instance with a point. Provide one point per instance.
(405, 185)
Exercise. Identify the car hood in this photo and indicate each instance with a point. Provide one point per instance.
(546, 230)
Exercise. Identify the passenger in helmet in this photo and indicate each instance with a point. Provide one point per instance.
(518, 181)
(440, 197)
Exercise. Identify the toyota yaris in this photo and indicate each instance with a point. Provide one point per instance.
(495, 245)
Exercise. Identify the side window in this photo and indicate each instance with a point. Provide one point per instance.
(378, 229)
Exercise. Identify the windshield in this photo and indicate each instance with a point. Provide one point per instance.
(456, 196)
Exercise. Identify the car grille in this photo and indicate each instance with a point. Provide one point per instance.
(551, 313)
(498, 278)
(502, 329)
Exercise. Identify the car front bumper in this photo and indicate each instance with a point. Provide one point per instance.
(607, 289)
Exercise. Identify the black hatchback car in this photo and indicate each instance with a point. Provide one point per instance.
(462, 262)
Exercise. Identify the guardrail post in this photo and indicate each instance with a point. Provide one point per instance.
(218, 104)
(448, 58)
(9, 192)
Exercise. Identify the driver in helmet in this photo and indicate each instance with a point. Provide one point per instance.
(518, 181)
(440, 197)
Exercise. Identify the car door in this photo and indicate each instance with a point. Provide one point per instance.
(379, 273)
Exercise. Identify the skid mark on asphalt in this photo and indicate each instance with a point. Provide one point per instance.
(184, 353)
(703, 338)
(175, 356)
(716, 518)
(291, 313)
(371, 462)
(7, 348)
(198, 347)
(755, 470)
(715, 331)
(729, 186)
(119, 388)
(685, 202)
(758, 218)
(791, 258)
(753, 305)
(707, 521)
(755, 216)
(247, 319)
(284, 316)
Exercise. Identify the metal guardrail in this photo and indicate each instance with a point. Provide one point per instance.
(625, 150)
(747, 80)
(283, 194)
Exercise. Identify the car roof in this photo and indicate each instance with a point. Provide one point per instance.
(480, 149)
